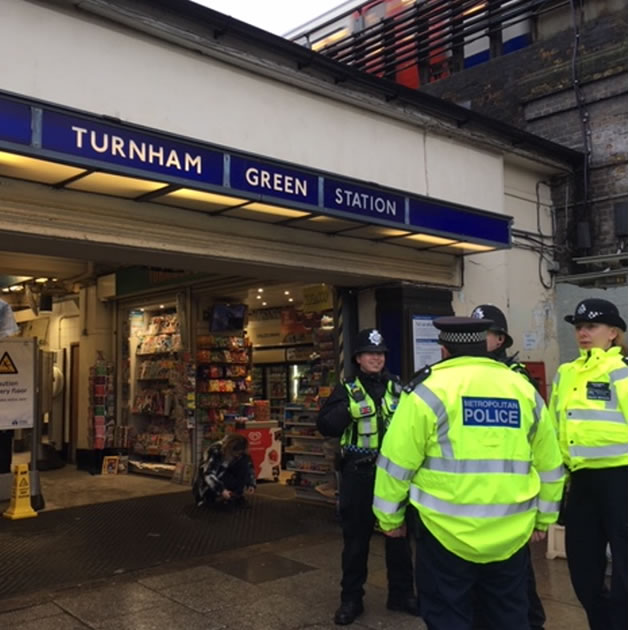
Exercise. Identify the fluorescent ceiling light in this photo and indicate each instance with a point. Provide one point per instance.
(475, 247)
(265, 212)
(429, 239)
(117, 185)
(199, 200)
(42, 171)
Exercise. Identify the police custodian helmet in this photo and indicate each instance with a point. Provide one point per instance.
(496, 316)
(596, 311)
(467, 331)
(368, 340)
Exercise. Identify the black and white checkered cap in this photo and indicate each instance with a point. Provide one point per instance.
(462, 330)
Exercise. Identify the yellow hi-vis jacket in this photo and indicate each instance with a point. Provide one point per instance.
(473, 449)
(369, 423)
(589, 408)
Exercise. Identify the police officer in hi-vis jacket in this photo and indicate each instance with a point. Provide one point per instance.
(498, 341)
(359, 411)
(472, 448)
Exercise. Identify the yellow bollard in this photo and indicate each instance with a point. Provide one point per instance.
(20, 506)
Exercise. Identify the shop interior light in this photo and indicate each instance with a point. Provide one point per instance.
(161, 305)
(41, 280)
(287, 292)
(265, 212)
(290, 299)
(117, 185)
(264, 303)
(260, 290)
(5, 290)
(13, 165)
(198, 200)
(16, 288)
(259, 297)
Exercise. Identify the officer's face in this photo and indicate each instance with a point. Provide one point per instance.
(494, 340)
(590, 335)
(371, 362)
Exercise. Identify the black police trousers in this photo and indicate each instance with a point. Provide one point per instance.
(357, 520)
(449, 585)
(535, 612)
(597, 515)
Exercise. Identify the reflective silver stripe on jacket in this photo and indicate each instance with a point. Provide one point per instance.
(548, 506)
(438, 408)
(396, 471)
(594, 452)
(618, 374)
(363, 441)
(596, 415)
(387, 507)
(365, 427)
(540, 405)
(474, 466)
(470, 510)
(552, 475)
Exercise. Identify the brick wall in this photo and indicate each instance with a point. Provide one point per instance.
(533, 89)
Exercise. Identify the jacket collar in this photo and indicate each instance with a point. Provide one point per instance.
(599, 353)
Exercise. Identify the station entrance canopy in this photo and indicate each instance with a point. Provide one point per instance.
(73, 150)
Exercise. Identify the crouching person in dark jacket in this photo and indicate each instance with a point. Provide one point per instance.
(226, 473)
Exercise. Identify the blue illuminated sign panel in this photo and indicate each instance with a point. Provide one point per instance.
(463, 224)
(114, 145)
(15, 122)
(368, 203)
(273, 181)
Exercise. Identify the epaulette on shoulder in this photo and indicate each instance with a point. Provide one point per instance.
(417, 378)
(348, 380)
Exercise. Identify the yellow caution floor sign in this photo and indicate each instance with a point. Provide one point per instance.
(20, 506)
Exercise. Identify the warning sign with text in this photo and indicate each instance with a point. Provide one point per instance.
(17, 383)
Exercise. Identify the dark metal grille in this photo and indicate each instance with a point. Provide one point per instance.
(418, 42)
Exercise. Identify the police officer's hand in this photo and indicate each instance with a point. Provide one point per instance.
(538, 536)
(399, 532)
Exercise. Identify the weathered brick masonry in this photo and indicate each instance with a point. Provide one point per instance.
(533, 89)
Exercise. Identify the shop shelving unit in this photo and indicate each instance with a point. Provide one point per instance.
(305, 452)
(157, 396)
(223, 381)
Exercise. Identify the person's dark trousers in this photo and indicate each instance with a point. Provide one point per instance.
(448, 586)
(597, 514)
(356, 494)
(535, 611)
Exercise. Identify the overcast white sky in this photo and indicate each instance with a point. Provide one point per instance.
(276, 16)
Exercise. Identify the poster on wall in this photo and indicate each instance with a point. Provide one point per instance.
(17, 383)
(426, 350)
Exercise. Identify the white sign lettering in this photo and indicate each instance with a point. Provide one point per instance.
(276, 181)
(147, 153)
(364, 201)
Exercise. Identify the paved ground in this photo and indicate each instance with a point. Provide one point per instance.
(286, 578)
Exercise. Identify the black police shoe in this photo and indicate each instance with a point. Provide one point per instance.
(407, 604)
(348, 612)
